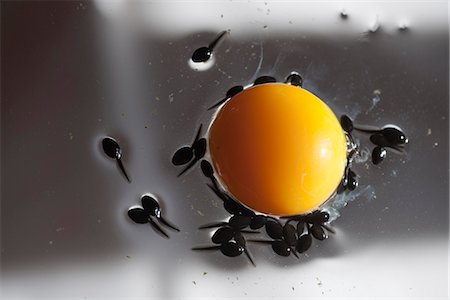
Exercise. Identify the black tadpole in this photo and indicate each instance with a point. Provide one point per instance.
(230, 248)
(203, 54)
(304, 242)
(183, 156)
(289, 234)
(264, 79)
(222, 235)
(378, 155)
(386, 136)
(207, 169)
(274, 230)
(190, 155)
(280, 247)
(346, 124)
(113, 150)
(150, 209)
(230, 93)
(295, 79)
(318, 232)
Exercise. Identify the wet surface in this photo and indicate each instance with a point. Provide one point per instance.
(74, 73)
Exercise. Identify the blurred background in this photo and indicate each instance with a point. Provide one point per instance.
(74, 72)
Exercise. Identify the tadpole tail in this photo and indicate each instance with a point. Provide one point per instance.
(158, 228)
(328, 228)
(217, 192)
(396, 150)
(214, 43)
(197, 136)
(190, 165)
(165, 222)
(200, 248)
(268, 242)
(366, 128)
(213, 225)
(218, 103)
(250, 231)
(122, 169)
(249, 256)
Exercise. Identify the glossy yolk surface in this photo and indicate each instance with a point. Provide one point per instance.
(278, 149)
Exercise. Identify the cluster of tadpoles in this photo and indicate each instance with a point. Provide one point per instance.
(150, 212)
(293, 79)
(294, 236)
(385, 138)
(190, 155)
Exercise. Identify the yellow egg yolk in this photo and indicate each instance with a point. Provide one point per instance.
(278, 149)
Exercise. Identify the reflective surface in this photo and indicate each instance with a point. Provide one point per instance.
(74, 73)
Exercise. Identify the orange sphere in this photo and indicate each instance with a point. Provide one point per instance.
(278, 149)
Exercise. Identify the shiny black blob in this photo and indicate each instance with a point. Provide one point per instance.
(295, 79)
(352, 183)
(232, 206)
(318, 217)
(394, 136)
(239, 239)
(150, 205)
(183, 156)
(257, 222)
(348, 182)
(378, 155)
(346, 124)
(281, 248)
(274, 230)
(207, 169)
(112, 150)
(231, 249)
(199, 147)
(304, 242)
(300, 227)
(289, 234)
(264, 79)
(138, 215)
(222, 235)
(203, 54)
(230, 93)
(318, 232)
(239, 221)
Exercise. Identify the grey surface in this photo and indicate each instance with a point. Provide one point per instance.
(74, 72)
